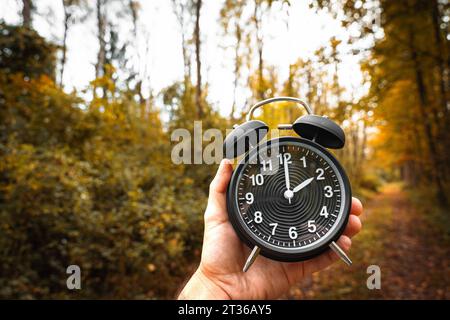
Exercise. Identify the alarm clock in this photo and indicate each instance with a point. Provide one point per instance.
(288, 198)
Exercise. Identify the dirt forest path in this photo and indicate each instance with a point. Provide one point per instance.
(411, 251)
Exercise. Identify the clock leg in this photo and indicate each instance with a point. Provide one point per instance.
(340, 253)
(251, 258)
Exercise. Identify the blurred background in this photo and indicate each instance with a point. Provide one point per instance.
(90, 92)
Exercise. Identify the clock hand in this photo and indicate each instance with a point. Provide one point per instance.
(303, 184)
(288, 193)
(286, 175)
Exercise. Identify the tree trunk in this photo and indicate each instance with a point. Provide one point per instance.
(441, 54)
(443, 86)
(64, 43)
(363, 143)
(423, 102)
(101, 56)
(133, 6)
(187, 63)
(134, 12)
(257, 20)
(355, 135)
(198, 92)
(260, 73)
(100, 65)
(309, 95)
(237, 67)
(179, 8)
(289, 91)
(340, 109)
(26, 13)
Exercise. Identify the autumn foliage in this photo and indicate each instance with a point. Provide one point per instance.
(87, 184)
(86, 177)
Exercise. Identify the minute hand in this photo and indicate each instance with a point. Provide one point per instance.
(303, 184)
(286, 175)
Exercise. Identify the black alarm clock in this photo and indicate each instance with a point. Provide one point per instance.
(289, 198)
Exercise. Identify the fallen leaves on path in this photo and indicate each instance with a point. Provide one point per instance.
(411, 251)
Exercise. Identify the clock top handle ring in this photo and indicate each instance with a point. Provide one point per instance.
(312, 127)
(277, 99)
(251, 132)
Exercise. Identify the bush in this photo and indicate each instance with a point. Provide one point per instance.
(370, 182)
(92, 185)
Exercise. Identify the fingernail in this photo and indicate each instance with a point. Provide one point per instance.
(225, 161)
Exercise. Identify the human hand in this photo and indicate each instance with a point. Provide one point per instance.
(220, 275)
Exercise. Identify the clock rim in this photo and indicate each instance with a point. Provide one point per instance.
(233, 210)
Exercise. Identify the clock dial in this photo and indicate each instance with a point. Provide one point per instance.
(291, 198)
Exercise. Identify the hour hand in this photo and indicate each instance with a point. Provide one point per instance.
(303, 184)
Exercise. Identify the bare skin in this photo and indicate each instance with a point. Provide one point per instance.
(220, 276)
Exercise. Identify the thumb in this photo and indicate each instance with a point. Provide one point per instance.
(216, 210)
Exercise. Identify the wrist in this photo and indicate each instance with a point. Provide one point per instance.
(201, 287)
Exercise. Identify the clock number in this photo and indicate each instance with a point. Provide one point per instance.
(285, 157)
(328, 191)
(320, 174)
(249, 197)
(257, 179)
(303, 159)
(274, 227)
(267, 165)
(293, 233)
(312, 226)
(258, 217)
(324, 212)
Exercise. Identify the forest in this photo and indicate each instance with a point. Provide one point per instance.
(86, 176)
